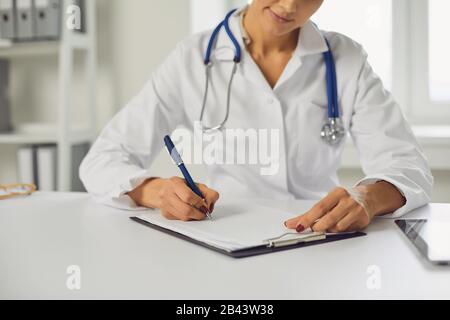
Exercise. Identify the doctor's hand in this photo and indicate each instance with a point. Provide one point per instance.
(175, 199)
(339, 211)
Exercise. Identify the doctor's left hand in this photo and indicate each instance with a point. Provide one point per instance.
(340, 212)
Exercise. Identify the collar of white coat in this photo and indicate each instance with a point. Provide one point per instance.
(311, 41)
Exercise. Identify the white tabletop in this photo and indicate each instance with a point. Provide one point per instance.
(41, 235)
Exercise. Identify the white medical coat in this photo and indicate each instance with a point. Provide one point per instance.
(121, 158)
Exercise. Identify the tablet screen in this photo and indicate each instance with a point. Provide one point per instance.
(432, 238)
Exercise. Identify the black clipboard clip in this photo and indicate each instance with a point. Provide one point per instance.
(291, 238)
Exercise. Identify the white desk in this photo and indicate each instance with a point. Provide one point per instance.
(40, 236)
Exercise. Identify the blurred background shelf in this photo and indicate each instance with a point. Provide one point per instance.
(10, 49)
(45, 135)
(64, 134)
(29, 49)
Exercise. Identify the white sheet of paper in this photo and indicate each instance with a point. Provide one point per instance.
(234, 226)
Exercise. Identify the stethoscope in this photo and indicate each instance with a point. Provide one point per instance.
(332, 131)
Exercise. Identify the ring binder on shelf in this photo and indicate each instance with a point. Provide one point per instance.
(24, 17)
(5, 112)
(48, 19)
(7, 21)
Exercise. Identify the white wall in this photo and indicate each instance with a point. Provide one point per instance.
(134, 38)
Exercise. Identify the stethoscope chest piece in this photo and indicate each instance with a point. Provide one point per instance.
(333, 131)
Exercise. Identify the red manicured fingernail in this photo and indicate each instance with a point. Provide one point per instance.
(300, 228)
(204, 210)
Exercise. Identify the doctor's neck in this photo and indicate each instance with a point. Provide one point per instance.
(265, 43)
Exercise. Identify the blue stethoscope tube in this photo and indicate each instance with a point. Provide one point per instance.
(332, 131)
(225, 23)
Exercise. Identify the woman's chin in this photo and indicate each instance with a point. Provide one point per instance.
(275, 27)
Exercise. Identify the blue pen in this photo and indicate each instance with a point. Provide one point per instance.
(180, 164)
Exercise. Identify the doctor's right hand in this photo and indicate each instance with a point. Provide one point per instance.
(175, 199)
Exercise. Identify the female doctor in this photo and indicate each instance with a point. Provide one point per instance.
(283, 80)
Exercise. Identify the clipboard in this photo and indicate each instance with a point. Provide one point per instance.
(274, 246)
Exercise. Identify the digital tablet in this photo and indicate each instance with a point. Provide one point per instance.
(430, 237)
